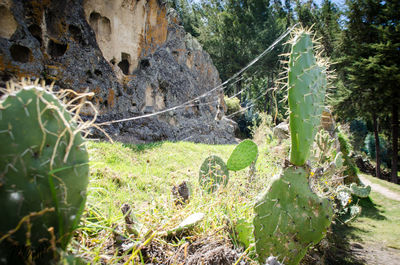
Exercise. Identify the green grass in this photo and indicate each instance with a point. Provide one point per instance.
(143, 177)
(379, 221)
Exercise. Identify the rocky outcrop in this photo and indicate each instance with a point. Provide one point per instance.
(132, 54)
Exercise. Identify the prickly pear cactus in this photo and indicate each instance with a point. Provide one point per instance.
(290, 217)
(213, 173)
(307, 82)
(360, 191)
(243, 155)
(43, 175)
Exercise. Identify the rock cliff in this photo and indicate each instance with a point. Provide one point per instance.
(133, 54)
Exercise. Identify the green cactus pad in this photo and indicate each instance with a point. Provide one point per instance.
(350, 213)
(290, 217)
(339, 160)
(307, 82)
(213, 173)
(243, 155)
(360, 191)
(43, 172)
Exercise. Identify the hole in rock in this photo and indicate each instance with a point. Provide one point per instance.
(56, 49)
(98, 72)
(89, 74)
(144, 63)
(20, 53)
(124, 63)
(76, 33)
(36, 32)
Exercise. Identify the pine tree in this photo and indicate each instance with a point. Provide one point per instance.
(370, 65)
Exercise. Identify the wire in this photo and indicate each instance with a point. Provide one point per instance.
(271, 47)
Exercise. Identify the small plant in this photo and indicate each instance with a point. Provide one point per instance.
(43, 172)
(289, 216)
(348, 208)
(214, 172)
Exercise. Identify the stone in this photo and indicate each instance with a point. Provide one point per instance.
(281, 131)
(181, 193)
(134, 55)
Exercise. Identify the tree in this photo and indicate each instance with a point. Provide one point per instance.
(370, 65)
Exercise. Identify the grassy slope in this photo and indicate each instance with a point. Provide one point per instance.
(143, 177)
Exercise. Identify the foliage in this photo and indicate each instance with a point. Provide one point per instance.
(232, 104)
(45, 173)
(368, 66)
(369, 148)
(358, 130)
(351, 169)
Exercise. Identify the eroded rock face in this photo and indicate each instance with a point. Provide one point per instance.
(133, 54)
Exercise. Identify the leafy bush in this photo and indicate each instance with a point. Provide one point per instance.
(232, 104)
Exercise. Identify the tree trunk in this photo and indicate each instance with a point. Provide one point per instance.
(377, 148)
(395, 141)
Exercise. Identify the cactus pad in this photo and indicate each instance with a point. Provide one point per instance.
(43, 173)
(213, 173)
(290, 217)
(307, 82)
(243, 155)
(339, 160)
(360, 191)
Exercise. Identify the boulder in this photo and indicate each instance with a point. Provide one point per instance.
(281, 131)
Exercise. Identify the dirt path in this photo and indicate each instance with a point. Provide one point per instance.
(382, 190)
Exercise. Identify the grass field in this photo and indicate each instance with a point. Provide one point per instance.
(143, 176)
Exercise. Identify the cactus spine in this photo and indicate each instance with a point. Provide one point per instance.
(289, 216)
(43, 174)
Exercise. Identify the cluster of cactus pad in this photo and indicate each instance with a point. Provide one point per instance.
(289, 216)
(43, 175)
(214, 172)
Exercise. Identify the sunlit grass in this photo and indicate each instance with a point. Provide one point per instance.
(143, 177)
